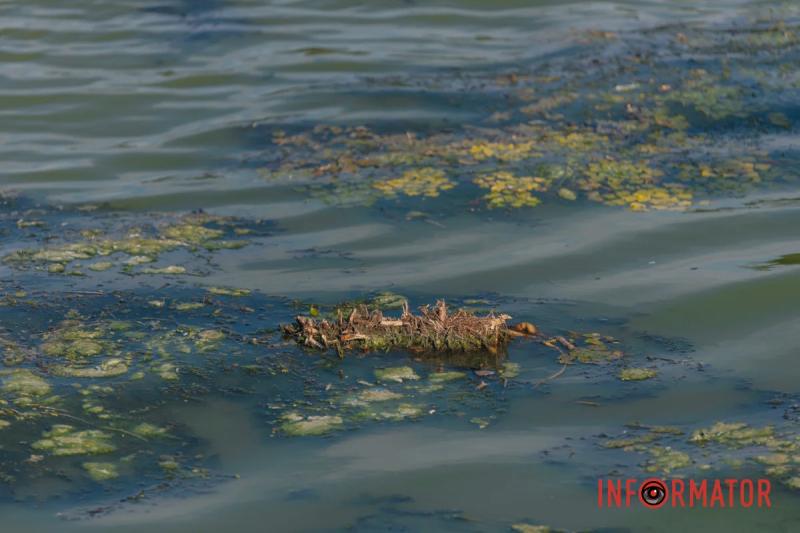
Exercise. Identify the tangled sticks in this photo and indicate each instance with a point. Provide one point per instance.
(434, 330)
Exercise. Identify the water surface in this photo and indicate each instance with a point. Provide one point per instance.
(148, 110)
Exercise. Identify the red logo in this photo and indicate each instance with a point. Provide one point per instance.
(654, 493)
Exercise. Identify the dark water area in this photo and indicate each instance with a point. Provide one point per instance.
(180, 179)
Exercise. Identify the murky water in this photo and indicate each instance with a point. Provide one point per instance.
(180, 177)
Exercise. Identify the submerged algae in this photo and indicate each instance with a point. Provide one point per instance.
(397, 374)
(101, 471)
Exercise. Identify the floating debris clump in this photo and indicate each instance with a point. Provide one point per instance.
(435, 330)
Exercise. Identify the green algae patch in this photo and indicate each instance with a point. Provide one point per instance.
(101, 471)
(591, 348)
(140, 245)
(295, 425)
(63, 439)
(637, 374)
(23, 382)
(735, 434)
(784, 260)
(167, 371)
(227, 291)
(397, 374)
(427, 182)
(107, 369)
(722, 446)
(171, 270)
(617, 134)
(434, 330)
(192, 233)
(149, 431)
(403, 411)
(440, 377)
(531, 528)
(635, 442)
(207, 339)
(509, 370)
(665, 460)
(188, 306)
(507, 190)
(101, 266)
(75, 342)
(378, 395)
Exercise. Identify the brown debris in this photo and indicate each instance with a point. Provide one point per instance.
(434, 330)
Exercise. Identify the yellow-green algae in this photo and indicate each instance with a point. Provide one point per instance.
(109, 368)
(736, 434)
(63, 439)
(23, 382)
(508, 190)
(523, 527)
(73, 341)
(403, 411)
(427, 182)
(296, 425)
(378, 395)
(227, 291)
(397, 374)
(141, 246)
(168, 270)
(439, 377)
(616, 135)
(724, 444)
(591, 348)
(665, 460)
(149, 431)
(637, 374)
(101, 471)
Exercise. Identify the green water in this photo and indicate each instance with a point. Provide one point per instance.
(293, 118)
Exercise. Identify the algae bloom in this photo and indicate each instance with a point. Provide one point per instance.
(298, 426)
(63, 439)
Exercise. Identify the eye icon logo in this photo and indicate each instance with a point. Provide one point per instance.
(653, 493)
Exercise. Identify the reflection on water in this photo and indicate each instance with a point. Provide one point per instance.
(128, 112)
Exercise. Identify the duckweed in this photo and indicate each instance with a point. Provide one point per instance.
(508, 190)
(428, 182)
(501, 151)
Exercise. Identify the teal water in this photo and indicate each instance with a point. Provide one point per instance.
(294, 117)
